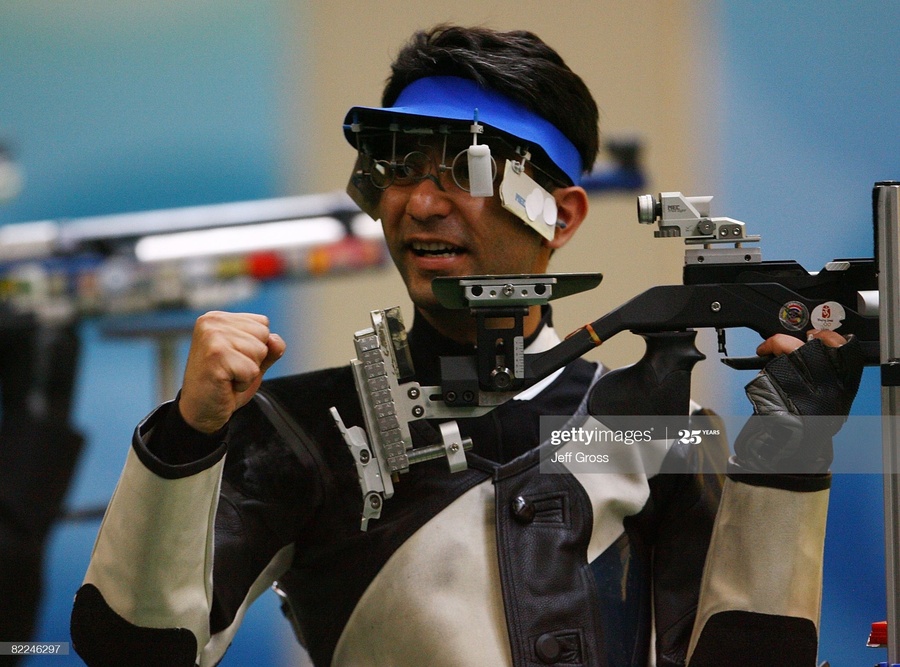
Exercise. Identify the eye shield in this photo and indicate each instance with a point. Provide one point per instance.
(443, 105)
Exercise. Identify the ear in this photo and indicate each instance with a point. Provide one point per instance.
(572, 208)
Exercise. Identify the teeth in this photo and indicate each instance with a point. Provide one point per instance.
(434, 248)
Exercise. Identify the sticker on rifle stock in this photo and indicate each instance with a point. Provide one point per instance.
(793, 315)
(829, 315)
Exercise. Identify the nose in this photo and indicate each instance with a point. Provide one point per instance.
(428, 199)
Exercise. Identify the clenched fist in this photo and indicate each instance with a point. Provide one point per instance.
(229, 354)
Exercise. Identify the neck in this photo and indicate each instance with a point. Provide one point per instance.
(459, 325)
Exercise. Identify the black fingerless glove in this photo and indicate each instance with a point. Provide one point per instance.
(800, 401)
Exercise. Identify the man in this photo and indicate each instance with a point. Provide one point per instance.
(498, 564)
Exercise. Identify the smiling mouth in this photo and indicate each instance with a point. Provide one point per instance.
(435, 249)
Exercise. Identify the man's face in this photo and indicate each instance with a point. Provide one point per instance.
(434, 230)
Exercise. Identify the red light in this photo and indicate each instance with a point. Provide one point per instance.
(265, 265)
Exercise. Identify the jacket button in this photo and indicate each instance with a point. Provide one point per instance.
(547, 648)
(522, 510)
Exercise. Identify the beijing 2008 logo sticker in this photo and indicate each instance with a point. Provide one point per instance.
(829, 315)
(793, 315)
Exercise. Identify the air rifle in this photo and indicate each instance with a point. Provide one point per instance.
(726, 285)
(189, 257)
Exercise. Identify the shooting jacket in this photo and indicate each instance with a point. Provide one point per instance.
(497, 565)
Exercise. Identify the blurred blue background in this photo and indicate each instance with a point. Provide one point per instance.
(123, 106)
(128, 106)
(810, 114)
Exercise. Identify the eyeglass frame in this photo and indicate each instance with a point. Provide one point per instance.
(366, 158)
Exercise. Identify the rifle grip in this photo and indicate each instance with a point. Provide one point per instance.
(658, 384)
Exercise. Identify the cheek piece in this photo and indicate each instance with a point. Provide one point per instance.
(438, 101)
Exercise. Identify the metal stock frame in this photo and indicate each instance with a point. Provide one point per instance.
(886, 210)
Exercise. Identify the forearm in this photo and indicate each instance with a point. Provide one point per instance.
(762, 582)
(761, 590)
(152, 561)
(153, 587)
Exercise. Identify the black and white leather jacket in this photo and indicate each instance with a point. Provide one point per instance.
(497, 565)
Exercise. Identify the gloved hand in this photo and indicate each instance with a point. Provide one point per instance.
(800, 401)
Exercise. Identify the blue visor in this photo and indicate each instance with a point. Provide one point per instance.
(455, 98)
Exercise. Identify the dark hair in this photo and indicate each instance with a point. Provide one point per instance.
(517, 64)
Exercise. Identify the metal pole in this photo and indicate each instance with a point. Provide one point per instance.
(886, 210)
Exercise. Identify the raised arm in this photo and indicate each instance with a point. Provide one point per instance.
(150, 595)
(761, 591)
